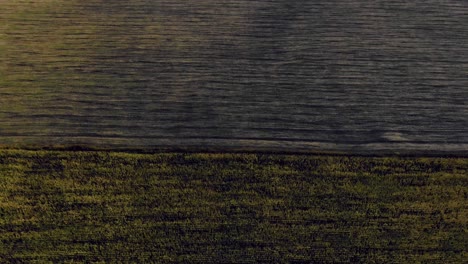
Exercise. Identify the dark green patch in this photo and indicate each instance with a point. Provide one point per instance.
(59, 206)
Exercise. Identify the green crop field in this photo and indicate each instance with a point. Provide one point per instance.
(101, 207)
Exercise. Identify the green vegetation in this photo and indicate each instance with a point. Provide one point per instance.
(64, 206)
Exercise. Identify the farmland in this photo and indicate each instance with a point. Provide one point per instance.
(96, 206)
(349, 76)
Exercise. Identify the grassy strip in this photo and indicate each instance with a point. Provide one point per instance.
(59, 206)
